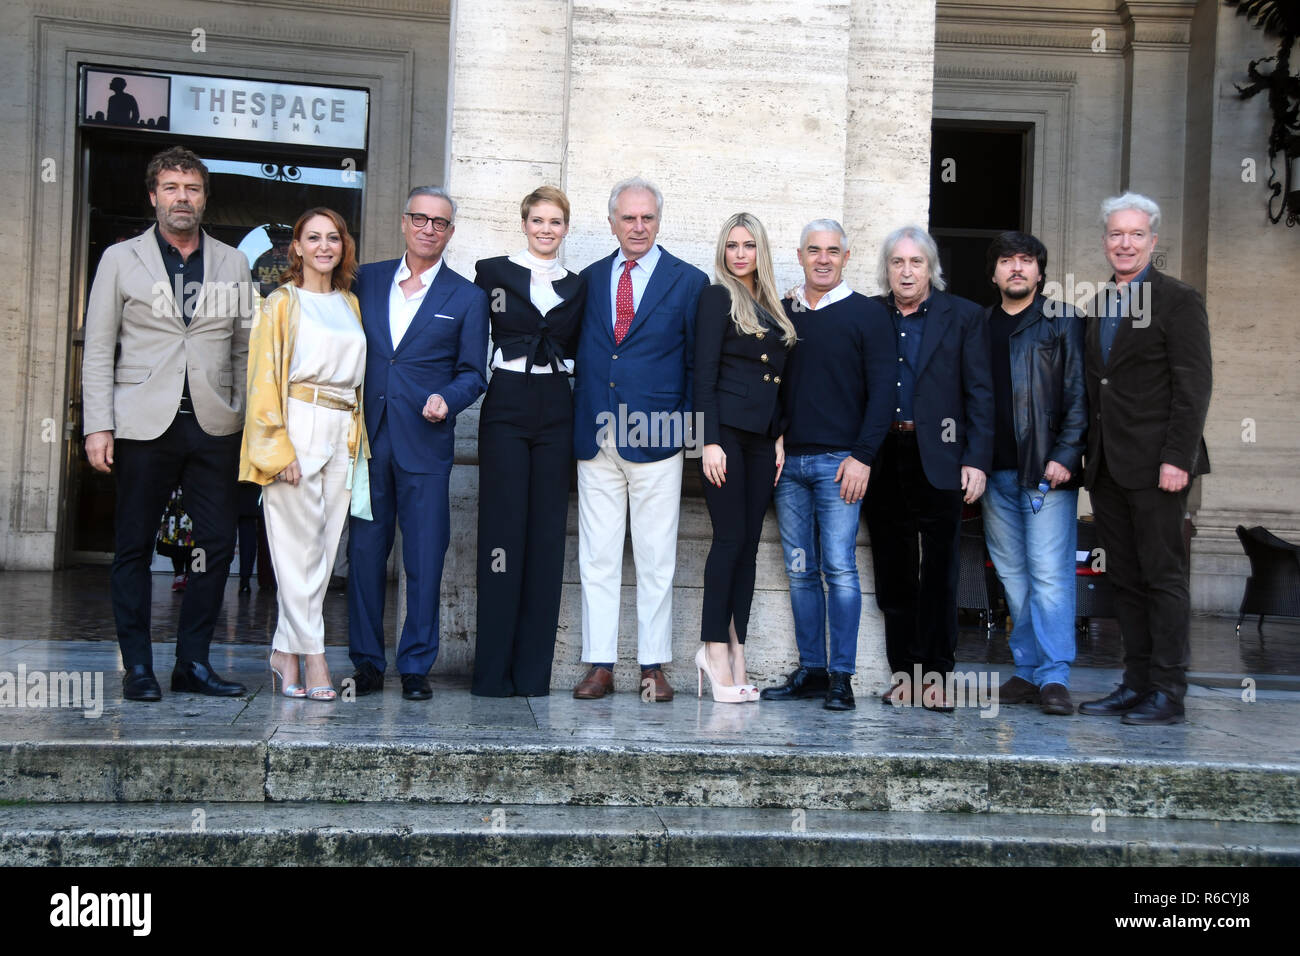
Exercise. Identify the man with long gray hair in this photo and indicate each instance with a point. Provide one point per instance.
(1147, 363)
(426, 357)
(935, 458)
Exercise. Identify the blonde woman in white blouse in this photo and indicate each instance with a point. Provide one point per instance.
(304, 437)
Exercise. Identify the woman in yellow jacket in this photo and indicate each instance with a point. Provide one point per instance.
(304, 437)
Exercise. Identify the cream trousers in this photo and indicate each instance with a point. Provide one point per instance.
(607, 485)
(304, 522)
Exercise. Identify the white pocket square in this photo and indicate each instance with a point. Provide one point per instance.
(439, 315)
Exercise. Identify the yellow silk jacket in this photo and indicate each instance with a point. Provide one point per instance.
(266, 449)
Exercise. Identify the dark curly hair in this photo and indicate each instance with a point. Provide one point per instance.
(1014, 244)
(177, 157)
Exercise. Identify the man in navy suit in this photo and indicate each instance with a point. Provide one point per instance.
(936, 456)
(426, 354)
(632, 404)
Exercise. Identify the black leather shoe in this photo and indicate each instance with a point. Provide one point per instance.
(138, 683)
(366, 679)
(839, 696)
(804, 683)
(416, 687)
(1156, 708)
(198, 678)
(1119, 701)
(245, 587)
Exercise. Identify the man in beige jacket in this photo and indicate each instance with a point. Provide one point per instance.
(163, 388)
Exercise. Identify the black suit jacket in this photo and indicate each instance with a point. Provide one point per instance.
(737, 377)
(1150, 400)
(518, 328)
(952, 403)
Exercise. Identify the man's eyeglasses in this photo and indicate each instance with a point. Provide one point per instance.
(419, 220)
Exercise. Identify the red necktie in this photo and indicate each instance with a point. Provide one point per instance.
(623, 302)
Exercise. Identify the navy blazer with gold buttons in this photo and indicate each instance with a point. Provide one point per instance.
(737, 376)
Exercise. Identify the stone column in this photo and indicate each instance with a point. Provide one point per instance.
(887, 154)
(1157, 34)
(789, 112)
(509, 97)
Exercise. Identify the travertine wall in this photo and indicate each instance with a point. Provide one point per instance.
(1253, 431)
(790, 111)
(1153, 109)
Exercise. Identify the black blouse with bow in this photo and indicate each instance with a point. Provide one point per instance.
(518, 327)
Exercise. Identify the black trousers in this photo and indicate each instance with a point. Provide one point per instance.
(915, 531)
(737, 510)
(1141, 533)
(525, 446)
(207, 468)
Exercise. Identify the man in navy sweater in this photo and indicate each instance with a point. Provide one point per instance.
(936, 456)
(838, 399)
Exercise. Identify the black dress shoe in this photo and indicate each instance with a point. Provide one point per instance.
(1119, 701)
(198, 678)
(138, 683)
(366, 679)
(416, 687)
(839, 696)
(245, 587)
(804, 683)
(1156, 708)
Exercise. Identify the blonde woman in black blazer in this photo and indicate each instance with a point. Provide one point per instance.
(525, 448)
(742, 339)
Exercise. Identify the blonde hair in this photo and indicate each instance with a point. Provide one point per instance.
(545, 194)
(744, 306)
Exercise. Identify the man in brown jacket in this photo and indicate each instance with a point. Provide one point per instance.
(166, 351)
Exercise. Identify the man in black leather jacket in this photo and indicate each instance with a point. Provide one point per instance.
(1040, 434)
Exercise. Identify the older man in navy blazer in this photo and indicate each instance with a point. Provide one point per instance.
(632, 404)
(426, 353)
(936, 456)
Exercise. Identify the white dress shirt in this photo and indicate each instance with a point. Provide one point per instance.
(841, 291)
(401, 310)
(640, 279)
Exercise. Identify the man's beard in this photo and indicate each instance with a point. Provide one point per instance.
(1018, 294)
(183, 220)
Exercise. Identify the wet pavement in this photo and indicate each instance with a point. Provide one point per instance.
(74, 605)
(96, 780)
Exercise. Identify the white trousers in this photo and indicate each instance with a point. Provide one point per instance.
(303, 524)
(607, 484)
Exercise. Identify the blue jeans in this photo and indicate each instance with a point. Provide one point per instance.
(1034, 557)
(818, 535)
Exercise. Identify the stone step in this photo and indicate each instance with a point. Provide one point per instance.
(402, 834)
(481, 767)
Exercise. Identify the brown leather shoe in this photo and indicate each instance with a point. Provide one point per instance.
(663, 691)
(595, 684)
(1055, 699)
(1018, 691)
